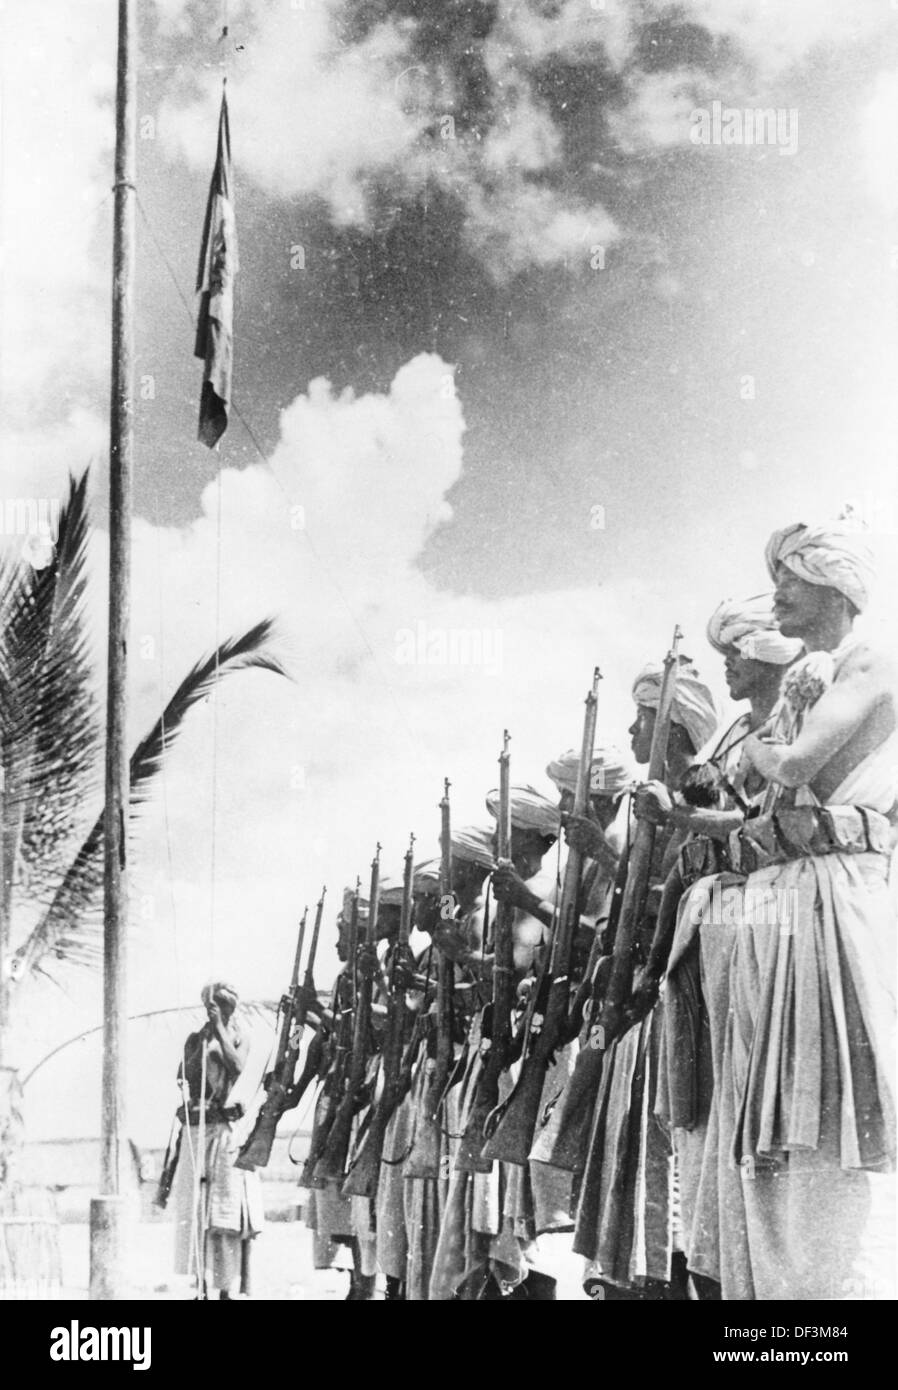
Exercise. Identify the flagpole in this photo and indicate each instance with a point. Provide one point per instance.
(107, 1211)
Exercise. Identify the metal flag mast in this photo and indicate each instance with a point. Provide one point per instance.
(107, 1210)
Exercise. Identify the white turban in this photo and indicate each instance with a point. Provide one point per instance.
(609, 772)
(835, 555)
(530, 810)
(219, 989)
(693, 705)
(475, 845)
(390, 894)
(348, 895)
(426, 877)
(751, 629)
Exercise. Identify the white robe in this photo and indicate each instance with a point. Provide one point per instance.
(807, 1080)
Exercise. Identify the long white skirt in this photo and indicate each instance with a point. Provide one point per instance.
(228, 1198)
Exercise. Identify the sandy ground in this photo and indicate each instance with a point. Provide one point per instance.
(281, 1264)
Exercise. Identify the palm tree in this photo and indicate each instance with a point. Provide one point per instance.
(51, 871)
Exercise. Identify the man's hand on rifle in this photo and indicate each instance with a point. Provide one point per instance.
(509, 887)
(646, 986)
(584, 835)
(403, 971)
(368, 964)
(652, 802)
(451, 940)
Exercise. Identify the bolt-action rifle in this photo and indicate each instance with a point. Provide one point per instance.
(514, 1122)
(256, 1152)
(333, 1065)
(331, 1166)
(361, 1180)
(496, 1032)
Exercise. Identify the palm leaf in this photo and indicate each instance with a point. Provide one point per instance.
(70, 928)
(51, 730)
(256, 1010)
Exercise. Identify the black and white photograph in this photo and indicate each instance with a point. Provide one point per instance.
(449, 661)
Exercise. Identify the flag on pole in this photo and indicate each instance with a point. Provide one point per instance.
(215, 285)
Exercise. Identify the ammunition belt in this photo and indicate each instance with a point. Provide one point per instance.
(702, 856)
(801, 831)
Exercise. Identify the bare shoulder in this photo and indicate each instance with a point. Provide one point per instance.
(870, 662)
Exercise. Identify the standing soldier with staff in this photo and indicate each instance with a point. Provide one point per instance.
(218, 1208)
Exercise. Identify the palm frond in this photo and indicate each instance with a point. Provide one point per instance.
(70, 928)
(49, 715)
(237, 654)
(256, 1010)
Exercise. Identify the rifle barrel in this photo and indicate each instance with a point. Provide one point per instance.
(512, 1136)
(640, 863)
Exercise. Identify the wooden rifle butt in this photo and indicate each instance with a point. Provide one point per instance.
(324, 1118)
(469, 1158)
(571, 1146)
(362, 1177)
(256, 1152)
(363, 1173)
(512, 1138)
(331, 1166)
(424, 1159)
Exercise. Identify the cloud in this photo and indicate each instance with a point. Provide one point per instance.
(878, 122)
(359, 109)
(775, 34)
(345, 122)
(57, 136)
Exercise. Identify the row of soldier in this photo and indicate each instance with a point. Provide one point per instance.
(636, 1041)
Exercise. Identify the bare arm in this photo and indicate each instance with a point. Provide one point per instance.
(234, 1048)
(716, 824)
(862, 684)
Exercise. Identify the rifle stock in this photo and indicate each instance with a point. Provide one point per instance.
(424, 1158)
(427, 1146)
(569, 1150)
(470, 1158)
(611, 1015)
(364, 1172)
(512, 1137)
(331, 1166)
(335, 1075)
(445, 967)
(169, 1165)
(256, 1152)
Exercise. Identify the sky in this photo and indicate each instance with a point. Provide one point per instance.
(524, 374)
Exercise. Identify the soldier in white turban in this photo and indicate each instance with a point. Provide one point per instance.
(218, 1208)
(535, 823)
(690, 943)
(628, 1172)
(693, 715)
(809, 1065)
(834, 557)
